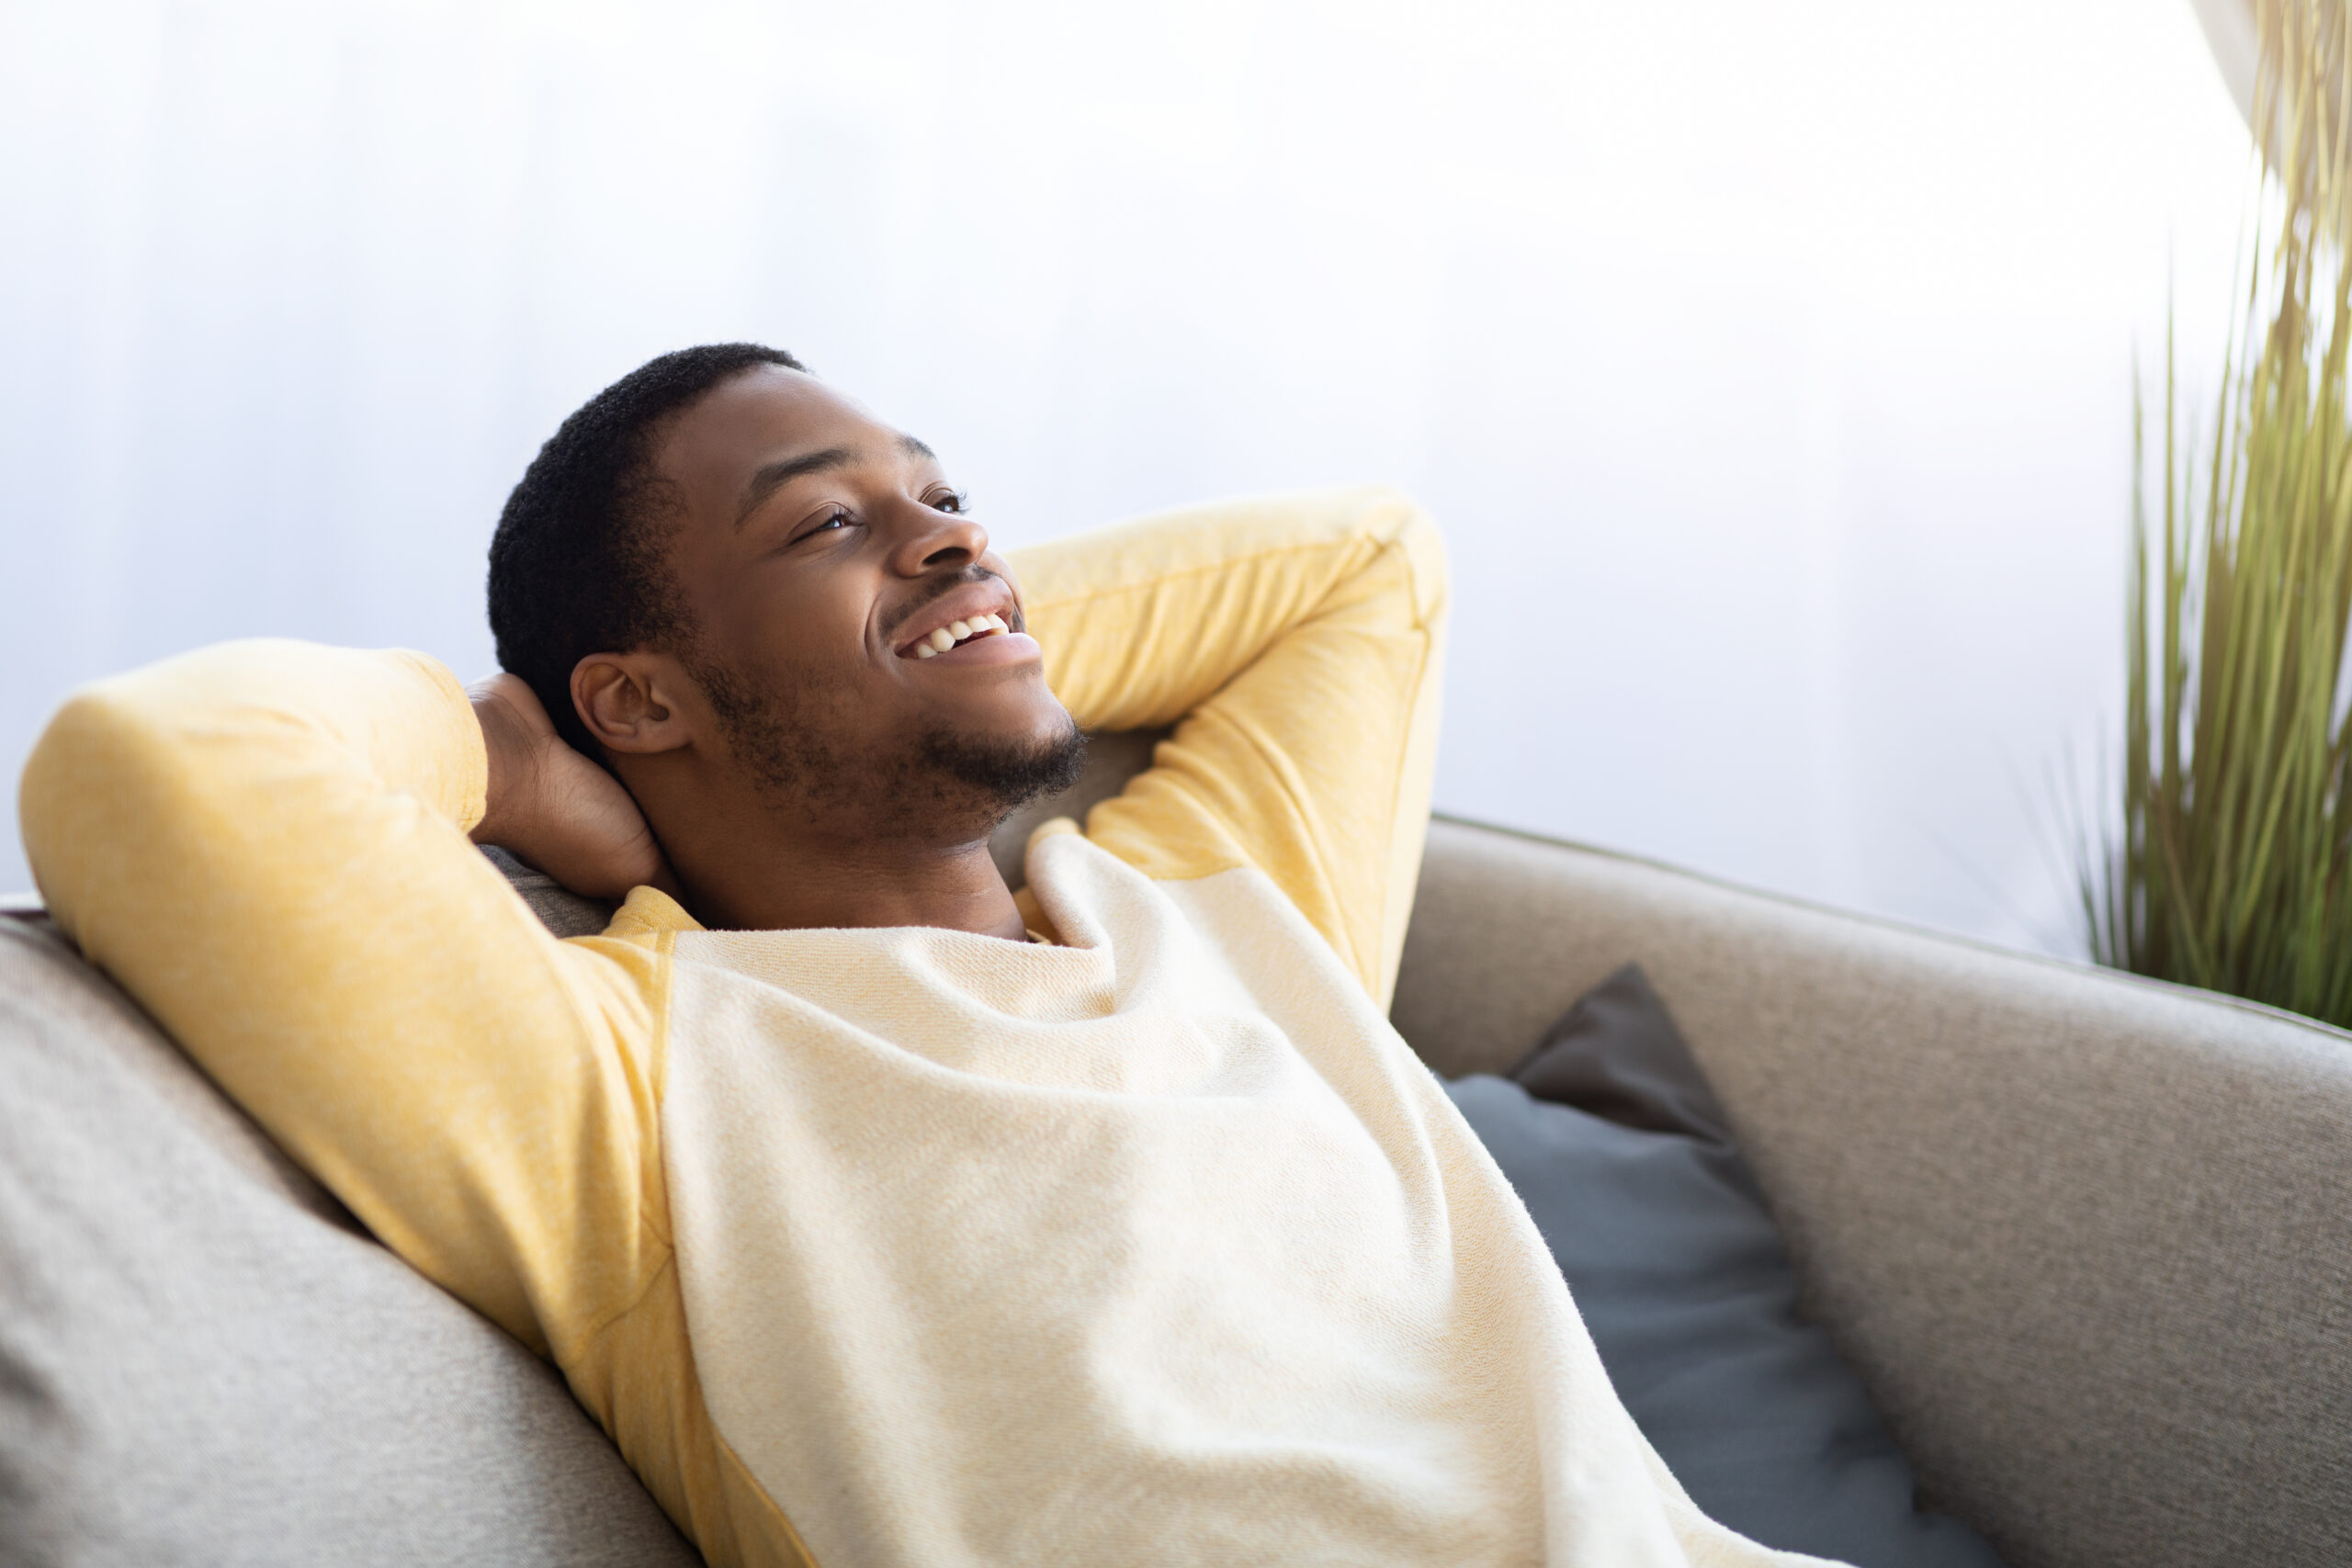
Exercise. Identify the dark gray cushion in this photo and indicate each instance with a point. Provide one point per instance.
(1616, 1144)
(204, 1360)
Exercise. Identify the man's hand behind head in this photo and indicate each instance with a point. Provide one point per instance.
(553, 807)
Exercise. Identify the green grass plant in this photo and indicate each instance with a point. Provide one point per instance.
(2233, 869)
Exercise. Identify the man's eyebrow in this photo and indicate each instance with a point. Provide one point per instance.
(915, 449)
(768, 480)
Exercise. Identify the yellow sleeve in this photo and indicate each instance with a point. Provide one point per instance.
(1295, 643)
(265, 843)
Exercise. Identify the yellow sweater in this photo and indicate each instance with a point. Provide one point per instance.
(914, 1246)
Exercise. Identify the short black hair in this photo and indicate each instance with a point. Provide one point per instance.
(577, 564)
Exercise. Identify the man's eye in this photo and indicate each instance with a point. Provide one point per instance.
(950, 501)
(833, 520)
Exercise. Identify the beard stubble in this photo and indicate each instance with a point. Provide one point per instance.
(938, 783)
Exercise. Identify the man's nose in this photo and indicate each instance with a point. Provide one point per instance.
(933, 538)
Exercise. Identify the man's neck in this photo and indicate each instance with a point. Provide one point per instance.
(802, 885)
(745, 863)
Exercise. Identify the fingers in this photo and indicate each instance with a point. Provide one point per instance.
(556, 809)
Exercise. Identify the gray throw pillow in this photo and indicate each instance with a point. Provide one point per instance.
(1616, 1144)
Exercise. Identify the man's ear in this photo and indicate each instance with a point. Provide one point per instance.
(628, 701)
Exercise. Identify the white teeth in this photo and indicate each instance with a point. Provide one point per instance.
(933, 644)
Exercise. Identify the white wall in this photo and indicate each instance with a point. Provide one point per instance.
(1769, 365)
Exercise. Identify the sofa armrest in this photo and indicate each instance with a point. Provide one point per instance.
(2087, 1237)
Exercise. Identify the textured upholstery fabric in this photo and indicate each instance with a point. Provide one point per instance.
(203, 1361)
(560, 910)
(2087, 1239)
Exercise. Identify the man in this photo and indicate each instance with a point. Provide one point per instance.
(883, 1215)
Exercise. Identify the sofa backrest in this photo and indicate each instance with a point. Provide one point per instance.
(203, 1360)
(2086, 1237)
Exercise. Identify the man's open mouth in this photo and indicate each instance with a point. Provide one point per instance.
(954, 633)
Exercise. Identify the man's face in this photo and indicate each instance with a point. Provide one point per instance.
(823, 557)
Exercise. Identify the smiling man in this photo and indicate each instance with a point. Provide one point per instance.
(787, 640)
(883, 1215)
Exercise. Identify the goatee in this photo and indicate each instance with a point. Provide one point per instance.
(942, 782)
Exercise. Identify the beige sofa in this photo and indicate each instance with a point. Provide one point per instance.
(2086, 1237)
